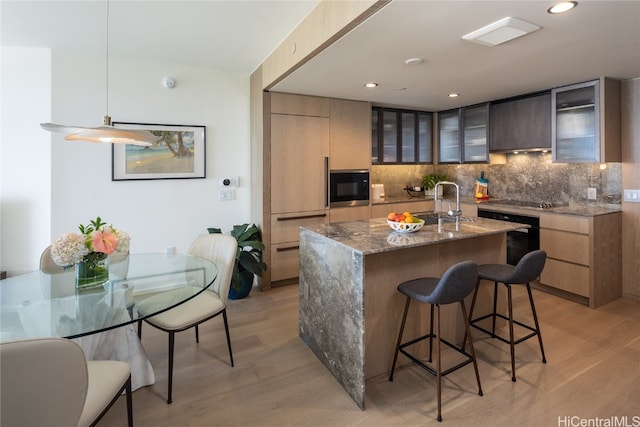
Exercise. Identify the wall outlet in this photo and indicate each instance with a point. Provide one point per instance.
(592, 193)
(226, 195)
(632, 196)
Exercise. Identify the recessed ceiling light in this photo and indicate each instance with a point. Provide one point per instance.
(414, 61)
(370, 84)
(562, 7)
(454, 95)
(501, 31)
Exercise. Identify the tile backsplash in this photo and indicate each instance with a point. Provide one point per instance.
(528, 177)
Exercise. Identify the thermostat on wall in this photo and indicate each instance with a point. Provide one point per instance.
(231, 182)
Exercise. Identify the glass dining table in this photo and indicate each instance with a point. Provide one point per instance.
(38, 304)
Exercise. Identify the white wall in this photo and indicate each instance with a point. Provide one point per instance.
(25, 153)
(157, 213)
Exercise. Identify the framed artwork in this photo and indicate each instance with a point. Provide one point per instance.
(178, 154)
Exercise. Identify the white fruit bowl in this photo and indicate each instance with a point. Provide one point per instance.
(405, 227)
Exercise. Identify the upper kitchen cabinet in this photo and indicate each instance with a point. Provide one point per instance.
(586, 122)
(350, 133)
(521, 124)
(401, 136)
(463, 135)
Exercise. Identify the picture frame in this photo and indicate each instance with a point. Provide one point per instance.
(162, 160)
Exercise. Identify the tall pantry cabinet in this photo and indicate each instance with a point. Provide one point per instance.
(296, 190)
(304, 138)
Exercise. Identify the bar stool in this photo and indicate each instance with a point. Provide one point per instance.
(456, 283)
(527, 270)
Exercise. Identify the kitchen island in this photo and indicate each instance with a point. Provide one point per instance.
(350, 309)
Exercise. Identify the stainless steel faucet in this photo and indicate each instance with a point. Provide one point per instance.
(458, 212)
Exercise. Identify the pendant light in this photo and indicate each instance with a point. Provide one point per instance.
(106, 132)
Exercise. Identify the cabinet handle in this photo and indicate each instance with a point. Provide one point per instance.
(288, 248)
(289, 218)
(326, 182)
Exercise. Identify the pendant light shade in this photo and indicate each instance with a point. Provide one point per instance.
(106, 132)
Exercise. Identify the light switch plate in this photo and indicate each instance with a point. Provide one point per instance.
(592, 193)
(226, 195)
(632, 196)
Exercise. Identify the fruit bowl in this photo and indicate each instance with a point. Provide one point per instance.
(405, 227)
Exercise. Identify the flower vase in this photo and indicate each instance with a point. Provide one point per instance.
(92, 271)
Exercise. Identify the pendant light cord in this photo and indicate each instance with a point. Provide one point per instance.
(107, 119)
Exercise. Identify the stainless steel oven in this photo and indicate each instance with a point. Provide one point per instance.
(348, 187)
(521, 241)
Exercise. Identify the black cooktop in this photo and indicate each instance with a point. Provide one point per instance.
(523, 203)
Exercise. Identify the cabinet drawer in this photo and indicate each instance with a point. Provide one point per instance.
(568, 277)
(286, 227)
(572, 223)
(284, 261)
(565, 246)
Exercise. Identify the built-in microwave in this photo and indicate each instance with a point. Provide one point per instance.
(348, 188)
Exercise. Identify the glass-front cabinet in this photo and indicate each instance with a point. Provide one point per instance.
(449, 136)
(585, 124)
(463, 135)
(475, 121)
(575, 129)
(401, 136)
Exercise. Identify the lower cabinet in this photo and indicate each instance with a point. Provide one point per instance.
(284, 249)
(583, 256)
(354, 213)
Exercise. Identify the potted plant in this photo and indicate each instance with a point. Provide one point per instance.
(429, 183)
(248, 258)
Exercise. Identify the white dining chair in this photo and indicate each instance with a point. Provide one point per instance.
(48, 382)
(221, 249)
(116, 344)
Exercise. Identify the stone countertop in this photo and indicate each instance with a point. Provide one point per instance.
(587, 211)
(401, 199)
(499, 205)
(375, 235)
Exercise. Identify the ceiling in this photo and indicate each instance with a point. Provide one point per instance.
(598, 38)
(226, 35)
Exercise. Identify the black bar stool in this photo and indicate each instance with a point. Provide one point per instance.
(456, 283)
(527, 270)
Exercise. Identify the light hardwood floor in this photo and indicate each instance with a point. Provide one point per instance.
(592, 371)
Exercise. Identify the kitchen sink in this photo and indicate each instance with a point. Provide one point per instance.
(431, 218)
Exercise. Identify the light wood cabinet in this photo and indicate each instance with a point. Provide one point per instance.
(583, 256)
(350, 140)
(469, 209)
(297, 162)
(305, 137)
(299, 159)
(382, 210)
(352, 213)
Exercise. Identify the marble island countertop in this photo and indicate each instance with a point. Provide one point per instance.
(376, 236)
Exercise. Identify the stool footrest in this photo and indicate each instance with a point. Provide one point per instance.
(533, 333)
(429, 368)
